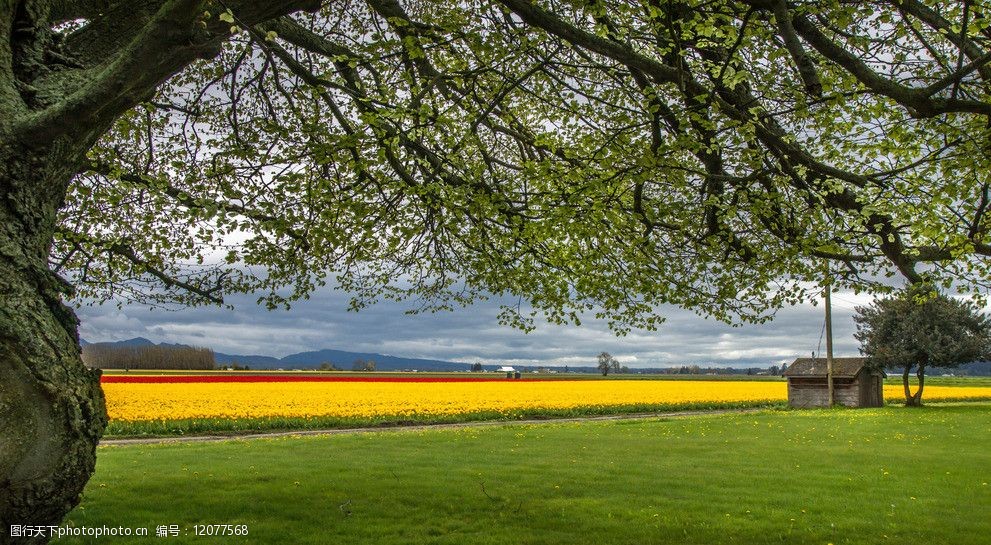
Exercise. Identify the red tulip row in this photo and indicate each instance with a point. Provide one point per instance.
(278, 378)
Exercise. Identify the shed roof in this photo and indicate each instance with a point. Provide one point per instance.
(813, 367)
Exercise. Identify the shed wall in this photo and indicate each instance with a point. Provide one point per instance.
(805, 392)
(871, 391)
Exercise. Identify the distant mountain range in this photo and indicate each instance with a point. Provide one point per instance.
(341, 358)
(312, 360)
(345, 360)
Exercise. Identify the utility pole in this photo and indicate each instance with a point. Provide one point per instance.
(829, 343)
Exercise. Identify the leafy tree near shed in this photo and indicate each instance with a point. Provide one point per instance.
(607, 156)
(921, 328)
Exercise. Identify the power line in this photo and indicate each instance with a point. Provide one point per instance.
(821, 333)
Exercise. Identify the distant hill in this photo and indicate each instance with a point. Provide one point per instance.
(382, 362)
(140, 353)
(312, 360)
(977, 368)
(253, 361)
(342, 359)
(137, 341)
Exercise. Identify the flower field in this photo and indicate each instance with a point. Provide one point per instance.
(364, 399)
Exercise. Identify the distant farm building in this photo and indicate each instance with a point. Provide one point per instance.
(510, 372)
(854, 384)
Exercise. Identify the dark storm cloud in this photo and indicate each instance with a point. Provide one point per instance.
(472, 334)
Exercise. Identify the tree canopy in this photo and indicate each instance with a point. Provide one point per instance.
(580, 155)
(918, 329)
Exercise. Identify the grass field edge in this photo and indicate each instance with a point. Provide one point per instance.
(275, 424)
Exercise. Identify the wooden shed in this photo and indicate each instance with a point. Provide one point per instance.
(854, 384)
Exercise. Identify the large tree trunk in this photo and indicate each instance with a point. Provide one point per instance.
(58, 95)
(52, 412)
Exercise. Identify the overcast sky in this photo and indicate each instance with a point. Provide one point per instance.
(473, 334)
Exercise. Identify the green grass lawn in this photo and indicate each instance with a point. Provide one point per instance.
(892, 475)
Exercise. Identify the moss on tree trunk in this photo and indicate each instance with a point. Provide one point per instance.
(52, 411)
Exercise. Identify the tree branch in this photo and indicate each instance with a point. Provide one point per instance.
(189, 201)
(806, 68)
(957, 76)
(935, 21)
(917, 101)
(128, 79)
(122, 249)
(169, 40)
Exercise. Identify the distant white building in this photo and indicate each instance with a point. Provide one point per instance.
(505, 369)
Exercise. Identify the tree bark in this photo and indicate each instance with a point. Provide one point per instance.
(914, 400)
(908, 389)
(52, 411)
(917, 398)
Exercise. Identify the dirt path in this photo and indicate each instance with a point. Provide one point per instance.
(419, 427)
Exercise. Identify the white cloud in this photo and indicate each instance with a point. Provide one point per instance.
(110, 324)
